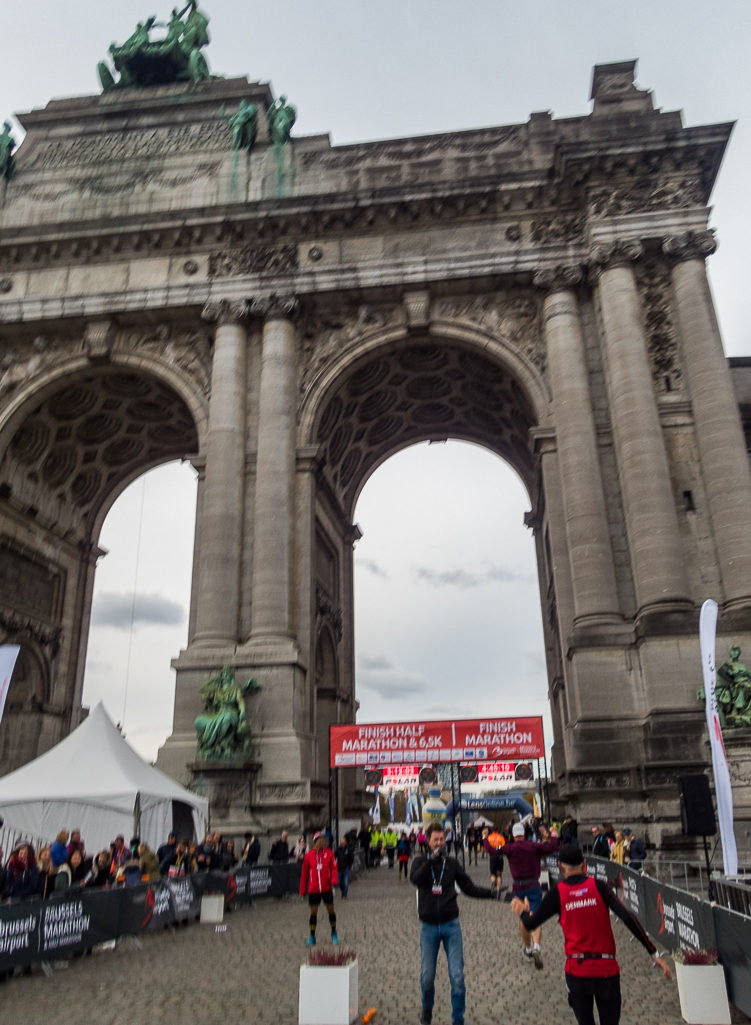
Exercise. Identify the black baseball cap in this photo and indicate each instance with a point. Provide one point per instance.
(571, 854)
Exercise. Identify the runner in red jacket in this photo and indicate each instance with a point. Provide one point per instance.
(318, 879)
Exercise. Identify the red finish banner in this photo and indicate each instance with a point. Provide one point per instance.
(458, 740)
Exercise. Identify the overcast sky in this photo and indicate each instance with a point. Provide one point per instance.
(448, 615)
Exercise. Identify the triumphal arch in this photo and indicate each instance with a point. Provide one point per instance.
(182, 277)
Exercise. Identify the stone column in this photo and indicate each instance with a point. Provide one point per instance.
(593, 580)
(649, 504)
(719, 436)
(219, 558)
(275, 471)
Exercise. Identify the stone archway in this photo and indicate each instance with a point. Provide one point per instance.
(69, 448)
(397, 388)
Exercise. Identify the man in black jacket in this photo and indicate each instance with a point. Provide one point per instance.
(279, 853)
(252, 849)
(434, 876)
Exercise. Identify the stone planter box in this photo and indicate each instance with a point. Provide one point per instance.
(704, 999)
(328, 994)
(212, 908)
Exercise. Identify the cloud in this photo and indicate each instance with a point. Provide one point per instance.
(387, 680)
(117, 610)
(371, 566)
(460, 578)
(379, 662)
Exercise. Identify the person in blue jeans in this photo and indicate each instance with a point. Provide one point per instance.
(434, 874)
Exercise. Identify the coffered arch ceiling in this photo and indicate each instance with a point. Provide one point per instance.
(420, 391)
(89, 438)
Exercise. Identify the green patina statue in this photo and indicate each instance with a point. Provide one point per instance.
(7, 160)
(733, 692)
(281, 118)
(223, 731)
(175, 58)
(244, 125)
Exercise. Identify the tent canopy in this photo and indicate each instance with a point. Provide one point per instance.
(94, 781)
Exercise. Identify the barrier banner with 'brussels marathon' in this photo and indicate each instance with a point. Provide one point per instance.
(720, 770)
(457, 740)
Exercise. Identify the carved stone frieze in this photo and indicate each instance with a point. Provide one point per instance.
(329, 611)
(648, 193)
(549, 230)
(332, 328)
(22, 363)
(667, 777)
(282, 793)
(513, 315)
(653, 283)
(693, 245)
(599, 780)
(132, 144)
(256, 259)
(189, 350)
(479, 144)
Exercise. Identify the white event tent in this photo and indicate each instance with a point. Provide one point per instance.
(94, 781)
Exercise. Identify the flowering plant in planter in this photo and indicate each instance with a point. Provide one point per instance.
(704, 956)
(331, 958)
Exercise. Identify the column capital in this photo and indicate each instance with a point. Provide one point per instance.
(225, 311)
(693, 245)
(559, 278)
(275, 307)
(617, 253)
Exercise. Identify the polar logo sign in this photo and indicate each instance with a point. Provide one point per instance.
(678, 920)
(14, 935)
(64, 925)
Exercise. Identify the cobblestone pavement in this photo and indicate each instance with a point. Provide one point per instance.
(250, 972)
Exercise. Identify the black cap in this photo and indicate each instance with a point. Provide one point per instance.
(571, 854)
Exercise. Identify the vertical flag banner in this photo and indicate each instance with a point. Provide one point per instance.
(376, 810)
(8, 656)
(392, 804)
(407, 808)
(723, 790)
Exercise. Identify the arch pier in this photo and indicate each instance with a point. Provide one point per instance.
(539, 289)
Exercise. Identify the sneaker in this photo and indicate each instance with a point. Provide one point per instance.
(529, 954)
(335, 940)
(311, 941)
(427, 1016)
(537, 954)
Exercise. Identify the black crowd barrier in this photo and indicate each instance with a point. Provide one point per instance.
(674, 919)
(67, 923)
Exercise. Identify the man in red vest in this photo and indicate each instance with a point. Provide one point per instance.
(319, 877)
(583, 904)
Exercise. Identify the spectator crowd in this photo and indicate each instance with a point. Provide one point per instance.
(67, 865)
